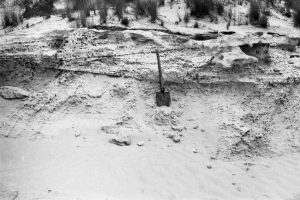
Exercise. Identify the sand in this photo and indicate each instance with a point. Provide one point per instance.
(231, 134)
(58, 149)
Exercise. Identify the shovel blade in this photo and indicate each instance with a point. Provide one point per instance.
(163, 99)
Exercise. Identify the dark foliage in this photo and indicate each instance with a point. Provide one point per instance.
(297, 17)
(152, 9)
(220, 7)
(140, 7)
(254, 12)
(263, 21)
(103, 8)
(257, 17)
(161, 2)
(196, 25)
(200, 8)
(40, 8)
(125, 21)
(11, 17)
(119, 6)
(186, 17)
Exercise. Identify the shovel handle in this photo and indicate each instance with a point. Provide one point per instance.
(159, 72)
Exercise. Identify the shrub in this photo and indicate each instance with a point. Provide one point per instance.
(161, 2)
(140, 7)
(152, 9)
(256, 15)
(254, 12)
(84, 8)
(270, 3)
(297, 17)
(288, 13)
(179, 18)
(147, 7)
(40, 8)
(125, 21)
(162, 23)
(196, 25)
(186, 17)
(263, 21)
(69, 15)
(103, 9)
(229, 18)
(289, 3)
(220, 8)
(267, 11)
(119, 6)
(200, 8)
(293, 4)
(11, 17)
(82, 21)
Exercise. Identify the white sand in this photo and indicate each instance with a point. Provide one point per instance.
(52, 145)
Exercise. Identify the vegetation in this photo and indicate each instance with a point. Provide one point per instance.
(297, 17)
(263, 21)
(103, 8)
(12, 15)
(270, 2)
(140, 7)
(119, 6)
(186, 17)
(11, 18)
(196, 25)
(161, 2)
(202, 8)
(256, 14)
(125, 21)
(39, 8)
(295, 5)
(147, 7)
(229, 18)
(152, 9)
(219, 7)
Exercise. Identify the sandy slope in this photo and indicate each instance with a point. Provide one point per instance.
(75, 168)
(239, 132)
(54, 147)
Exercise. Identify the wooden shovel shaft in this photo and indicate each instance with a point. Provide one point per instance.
(159, 72)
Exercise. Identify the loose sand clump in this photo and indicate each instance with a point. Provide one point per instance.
(165, 116)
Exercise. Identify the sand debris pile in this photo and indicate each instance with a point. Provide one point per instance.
(165, 116)
(243, 142)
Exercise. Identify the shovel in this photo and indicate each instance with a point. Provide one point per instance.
(163, 98)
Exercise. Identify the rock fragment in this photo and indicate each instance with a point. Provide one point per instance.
(176, 139)
(178, 128)
(121, 140)
(9, 92)
(141, 143)
(195, 150)
(236, 57)
(77, 134)
(109, 129)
